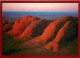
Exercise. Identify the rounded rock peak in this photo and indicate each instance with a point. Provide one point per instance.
(32, 17)
(36, 17)
(67, 16)
(28, 16)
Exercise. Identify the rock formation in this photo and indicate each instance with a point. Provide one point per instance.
(36, 32)
(67, 32)
(21, 25)
(48, 35)
(35, 28)
(7, 26)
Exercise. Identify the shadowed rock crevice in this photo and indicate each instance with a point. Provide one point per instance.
(35, 28)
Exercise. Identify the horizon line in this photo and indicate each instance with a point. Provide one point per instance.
(36, 11)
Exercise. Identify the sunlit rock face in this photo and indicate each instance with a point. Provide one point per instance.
(20, 25)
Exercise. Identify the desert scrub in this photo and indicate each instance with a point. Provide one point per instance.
(8, 44)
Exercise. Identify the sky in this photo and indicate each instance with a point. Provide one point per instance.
(40, 7)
